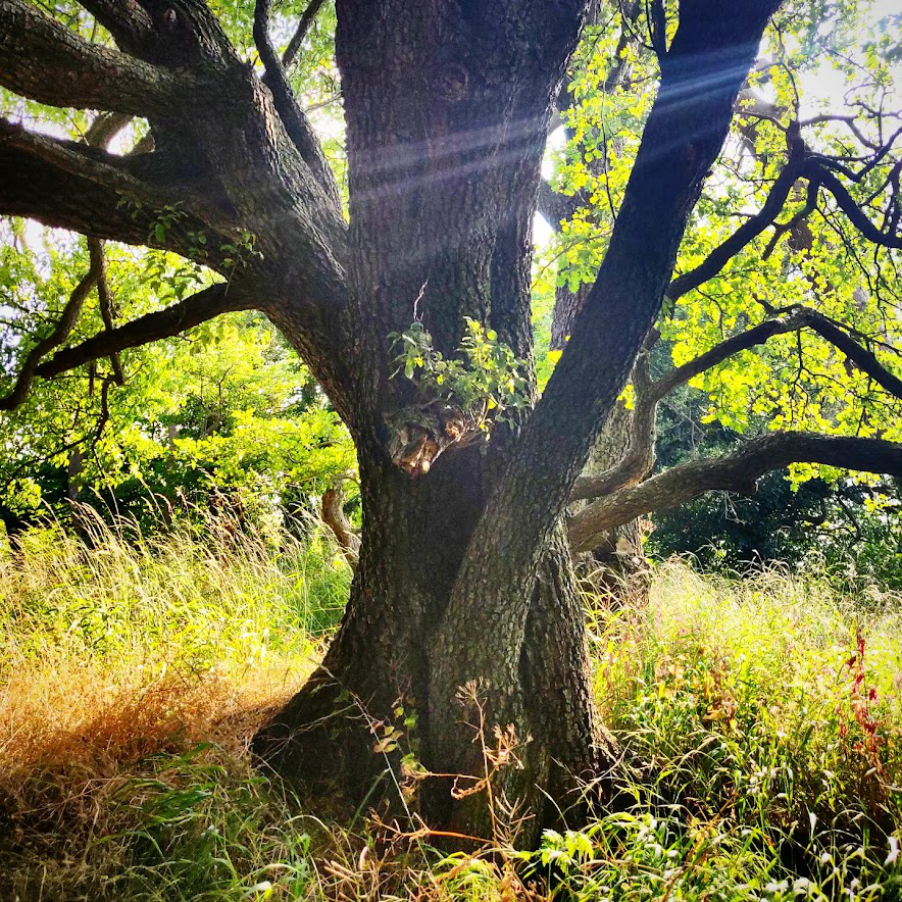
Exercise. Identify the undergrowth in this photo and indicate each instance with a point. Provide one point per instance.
(767, 713)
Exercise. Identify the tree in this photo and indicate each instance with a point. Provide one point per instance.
(413, 313)
(223, 411)
(602, 114)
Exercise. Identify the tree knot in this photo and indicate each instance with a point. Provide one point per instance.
(452, 83)
(418, 435)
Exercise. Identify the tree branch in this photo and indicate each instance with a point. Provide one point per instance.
(129, 23)
(856, 215)
(640, 455)
(736, 472)
(203, 306)
(639, 459)
(296, 123)
(306, 20)
(43, 60)
(70, 186)
(60, 333)
(701, 75)
(744, 235)
(757, 335)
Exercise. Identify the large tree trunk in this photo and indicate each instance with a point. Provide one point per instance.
(464, 580)
(415, 535)
(464, 577)
(444, 172)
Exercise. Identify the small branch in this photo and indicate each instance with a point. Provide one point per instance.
(60, 333)
(757, 335)
(306, 20)
(736, 472)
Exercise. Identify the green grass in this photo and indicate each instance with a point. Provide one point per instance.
(767, 713)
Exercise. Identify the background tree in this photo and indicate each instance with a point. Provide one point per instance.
(413, 313)
(224, 415)
(602, 111)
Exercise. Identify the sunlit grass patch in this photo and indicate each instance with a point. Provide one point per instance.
(768, 704)
(766, 712)
(119, 646)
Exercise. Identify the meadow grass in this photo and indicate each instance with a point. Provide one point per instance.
(766, 714)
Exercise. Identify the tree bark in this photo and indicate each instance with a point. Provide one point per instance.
(617, 565)
(377, 670)
(444, 169)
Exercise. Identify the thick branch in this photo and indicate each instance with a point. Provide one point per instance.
(296, 123)
(43, 60)
(744, 235)
(203, 306)
(70, 186)
(864, 359)
(638, 459)
(701, 75)
(128, 22)
(856, 215)
(736, 472)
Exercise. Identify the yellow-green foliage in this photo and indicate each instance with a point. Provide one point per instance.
(133, 672)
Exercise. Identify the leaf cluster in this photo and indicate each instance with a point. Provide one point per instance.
(485, 379)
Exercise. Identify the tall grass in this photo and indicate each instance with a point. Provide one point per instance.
(766, 714)
(124, 640)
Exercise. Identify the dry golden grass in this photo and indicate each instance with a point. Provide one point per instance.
(72, 712)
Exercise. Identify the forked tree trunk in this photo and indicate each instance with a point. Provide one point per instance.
(464, 578)
(444, 173)
(377, 670)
